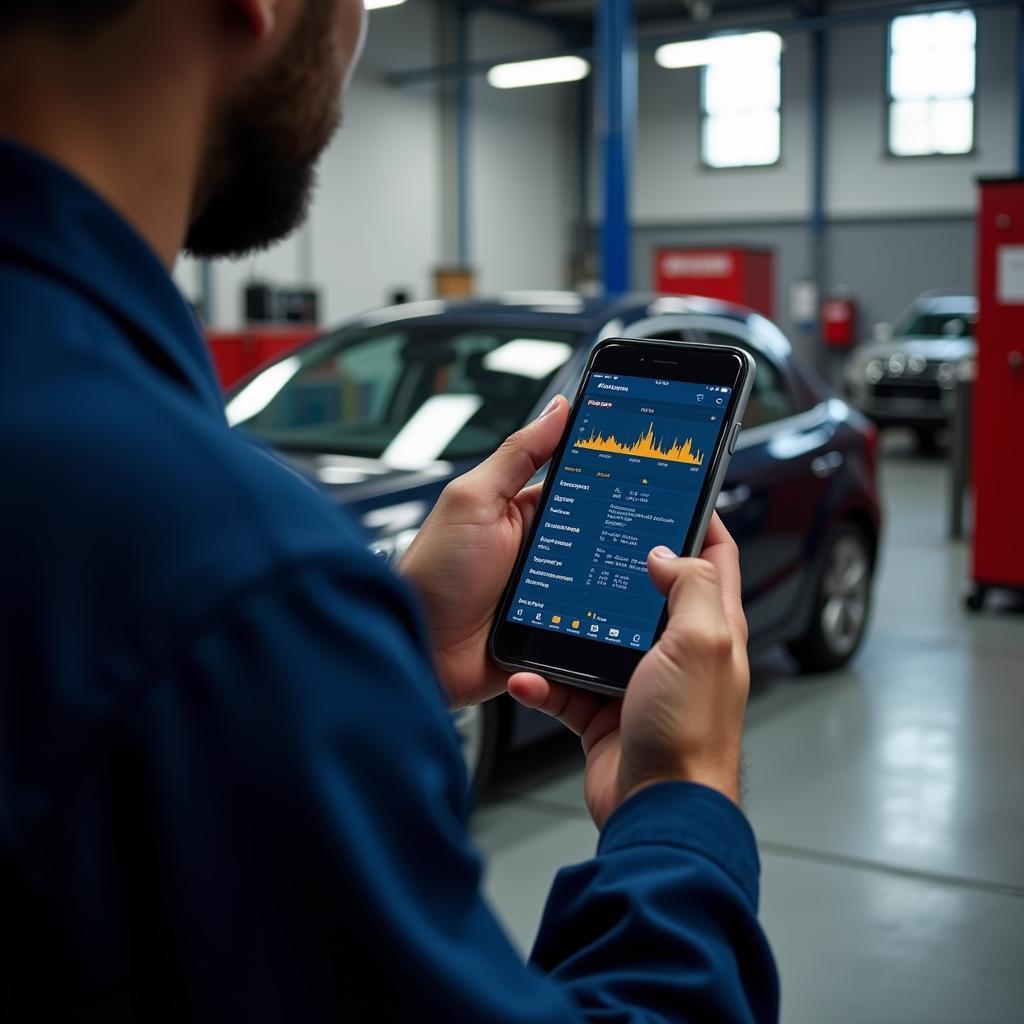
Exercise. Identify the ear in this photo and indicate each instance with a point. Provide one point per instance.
(257, 16)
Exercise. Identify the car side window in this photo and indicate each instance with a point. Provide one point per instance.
(771, 398)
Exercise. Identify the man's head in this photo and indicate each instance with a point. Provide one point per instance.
(274, 74)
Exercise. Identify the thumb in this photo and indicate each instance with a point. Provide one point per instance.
(693, 584)
(509, 469)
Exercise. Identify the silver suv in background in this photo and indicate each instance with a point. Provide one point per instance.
(906, 376)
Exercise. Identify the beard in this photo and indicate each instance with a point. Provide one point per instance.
(259, 172)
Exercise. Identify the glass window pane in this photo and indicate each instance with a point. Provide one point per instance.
(954, 74)
(724, 89)
(741, 140)
(910, 128)
(724, 144)
(953, 30)
(932, 82)
(952, 125)
(734, 87)
(909, 32)
(763, 137)
(742, 102)
(912, 75)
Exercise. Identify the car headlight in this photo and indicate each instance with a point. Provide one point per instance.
(874, 371)
(916, 364)
(946, 375)
(966, 370)
(392, 546)
(896, 364)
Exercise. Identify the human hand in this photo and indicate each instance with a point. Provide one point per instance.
(682, 715)
(463, 555)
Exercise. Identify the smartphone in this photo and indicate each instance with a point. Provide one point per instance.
(650, 435)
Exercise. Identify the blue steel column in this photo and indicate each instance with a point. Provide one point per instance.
(615, 54)
(463, 86)
(817, 248)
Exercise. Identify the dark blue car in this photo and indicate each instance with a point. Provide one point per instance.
(388, 408)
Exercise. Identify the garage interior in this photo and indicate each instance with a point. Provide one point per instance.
(885, 794)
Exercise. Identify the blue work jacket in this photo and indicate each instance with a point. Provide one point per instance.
(230, 789)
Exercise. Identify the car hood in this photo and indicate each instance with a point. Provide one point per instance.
(386, 500)
(944, 350)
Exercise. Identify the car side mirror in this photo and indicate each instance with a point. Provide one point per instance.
(882, 332)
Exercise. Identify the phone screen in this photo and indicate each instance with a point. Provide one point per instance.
(638, 451)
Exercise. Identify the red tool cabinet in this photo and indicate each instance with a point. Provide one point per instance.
(745, 276)
(998, 426)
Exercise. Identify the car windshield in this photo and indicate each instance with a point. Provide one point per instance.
(407, 394)
(958, 324)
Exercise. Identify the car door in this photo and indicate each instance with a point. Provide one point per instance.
(777, 479)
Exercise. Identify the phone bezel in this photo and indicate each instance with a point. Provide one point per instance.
(590, 663)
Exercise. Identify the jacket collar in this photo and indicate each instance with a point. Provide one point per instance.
(51, 221)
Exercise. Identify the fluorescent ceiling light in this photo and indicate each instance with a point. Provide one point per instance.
(731, 49)
(373, 5)
(547, 71)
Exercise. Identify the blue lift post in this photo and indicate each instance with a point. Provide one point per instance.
(615, 55)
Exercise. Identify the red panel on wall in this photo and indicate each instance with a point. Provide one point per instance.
(998, 435)
(237, 353)
(745, 276)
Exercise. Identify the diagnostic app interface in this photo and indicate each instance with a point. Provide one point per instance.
(633, 469)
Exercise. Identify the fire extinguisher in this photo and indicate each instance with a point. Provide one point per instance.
(839, 321)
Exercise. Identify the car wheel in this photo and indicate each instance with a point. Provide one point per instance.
(478, 728)
(842, 602)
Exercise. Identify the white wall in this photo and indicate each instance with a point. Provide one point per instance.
(523, 160)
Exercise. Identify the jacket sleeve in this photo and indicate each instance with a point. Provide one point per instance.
(299, 850)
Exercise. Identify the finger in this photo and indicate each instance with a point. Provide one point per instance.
(527, 501)
(509, 469)
(694, 594)
(721, 551)
(573, 707)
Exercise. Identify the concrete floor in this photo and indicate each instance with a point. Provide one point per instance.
(886, 799)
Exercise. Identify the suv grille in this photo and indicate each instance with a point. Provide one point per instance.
(927, 390)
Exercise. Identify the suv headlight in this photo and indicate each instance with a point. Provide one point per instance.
(966, 370)
(874, 371)
(946, 375)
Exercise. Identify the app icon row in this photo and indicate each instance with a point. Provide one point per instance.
(575, 625)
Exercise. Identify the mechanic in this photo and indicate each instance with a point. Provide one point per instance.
(230, 789)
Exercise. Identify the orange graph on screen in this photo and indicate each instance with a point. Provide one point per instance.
(647, 447)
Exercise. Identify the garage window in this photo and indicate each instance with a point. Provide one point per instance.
(741, 96)
(931, 84)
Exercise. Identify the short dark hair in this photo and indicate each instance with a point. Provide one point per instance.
(73, 15)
